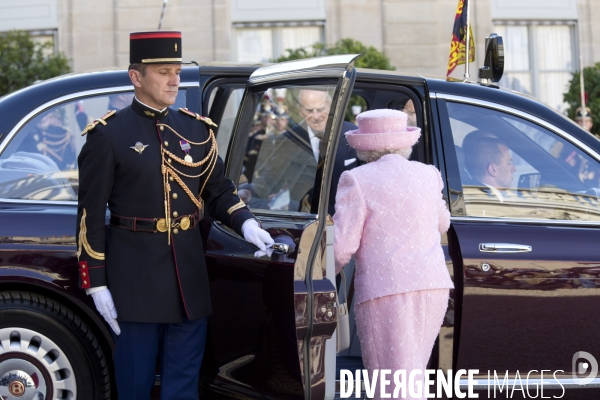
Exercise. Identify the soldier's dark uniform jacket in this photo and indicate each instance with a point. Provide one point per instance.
(133, 160)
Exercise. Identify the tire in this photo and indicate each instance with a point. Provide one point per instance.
(47, 352)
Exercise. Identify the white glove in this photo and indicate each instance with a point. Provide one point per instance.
(254, 234)
(105, 306)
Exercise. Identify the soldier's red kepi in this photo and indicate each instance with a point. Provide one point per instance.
(160, 47)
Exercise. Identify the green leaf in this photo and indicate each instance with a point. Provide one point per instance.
(591, 76)
(23, 61)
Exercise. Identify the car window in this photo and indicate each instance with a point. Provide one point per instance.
(228, 119)
(40, 162)
(280, 160)
(512, 168)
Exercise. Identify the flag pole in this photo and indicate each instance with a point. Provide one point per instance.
(581, 84)
(162, 13)
(468, 41)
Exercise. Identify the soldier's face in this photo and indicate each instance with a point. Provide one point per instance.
(159, 86)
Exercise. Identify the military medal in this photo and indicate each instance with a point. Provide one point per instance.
(185, 146)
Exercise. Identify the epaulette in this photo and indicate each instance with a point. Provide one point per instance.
(95, 122)
(199, 117)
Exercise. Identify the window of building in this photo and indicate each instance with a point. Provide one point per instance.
(266, 42)
(539, 58)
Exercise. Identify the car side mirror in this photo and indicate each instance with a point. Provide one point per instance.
(493, 65)
(530, 181)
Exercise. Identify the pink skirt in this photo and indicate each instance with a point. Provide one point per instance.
(398, 332)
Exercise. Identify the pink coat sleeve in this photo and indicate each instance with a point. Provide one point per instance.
(443, 214)
(349, 218)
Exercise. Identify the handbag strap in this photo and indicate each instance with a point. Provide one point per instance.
(343, 287)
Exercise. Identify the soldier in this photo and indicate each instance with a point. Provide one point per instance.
(157, 169)
(584, 118)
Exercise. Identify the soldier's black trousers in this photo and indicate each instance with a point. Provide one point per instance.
(181, 348)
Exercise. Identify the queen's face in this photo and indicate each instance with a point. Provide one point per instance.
(409, 109)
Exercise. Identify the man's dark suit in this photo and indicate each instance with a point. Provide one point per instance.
(289, 161)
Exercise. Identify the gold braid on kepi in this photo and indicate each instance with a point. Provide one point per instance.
(168, 171)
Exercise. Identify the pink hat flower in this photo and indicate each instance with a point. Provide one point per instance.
(383, 129)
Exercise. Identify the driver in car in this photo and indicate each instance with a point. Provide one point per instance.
(489, 162)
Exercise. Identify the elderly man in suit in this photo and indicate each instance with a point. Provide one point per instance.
(293, 158)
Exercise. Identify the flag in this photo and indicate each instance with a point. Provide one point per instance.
(458, 43)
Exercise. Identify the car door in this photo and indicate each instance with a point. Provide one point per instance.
(270, 334)
(529, 288)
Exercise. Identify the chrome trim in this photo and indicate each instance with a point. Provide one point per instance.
(525, 221)
(321, 67)
(68, 97)
(521, 114)
(40, 202)
(549, 383)
(503, 248)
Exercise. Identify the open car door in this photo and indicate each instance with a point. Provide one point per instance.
(271, 334)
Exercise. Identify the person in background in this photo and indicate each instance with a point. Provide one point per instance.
(119, 101)
(300, 149)
(390, 215)
(51, 139)
(584, 118)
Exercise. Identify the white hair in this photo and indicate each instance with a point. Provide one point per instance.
(374, 155)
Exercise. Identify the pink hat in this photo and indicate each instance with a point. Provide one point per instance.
(382, 130)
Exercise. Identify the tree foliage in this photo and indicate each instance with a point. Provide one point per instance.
(24, 61)
(370, 58)
(591, 83)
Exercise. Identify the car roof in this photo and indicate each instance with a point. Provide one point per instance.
(40, 93)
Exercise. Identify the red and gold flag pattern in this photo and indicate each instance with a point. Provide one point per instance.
(459, 38)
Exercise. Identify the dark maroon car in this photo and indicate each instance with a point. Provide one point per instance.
(526, 264)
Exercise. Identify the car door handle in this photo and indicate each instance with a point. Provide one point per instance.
(281, 248)
(503, 248)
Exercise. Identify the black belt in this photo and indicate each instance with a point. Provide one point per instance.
(154, 225)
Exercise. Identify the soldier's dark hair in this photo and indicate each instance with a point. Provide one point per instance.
(138, 67)
(480, 153)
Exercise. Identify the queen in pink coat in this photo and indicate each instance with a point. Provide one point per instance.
(390, 215)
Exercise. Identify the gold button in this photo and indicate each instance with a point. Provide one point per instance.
(85, 282)
(162, 128)
(175, 214)
(166, 143)
(174, 195)
(84, 274)
(83, 266)
(175, 231)
(169, 160)
(171, 178)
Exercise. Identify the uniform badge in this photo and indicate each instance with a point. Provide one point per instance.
(185, 146)
(139, 147)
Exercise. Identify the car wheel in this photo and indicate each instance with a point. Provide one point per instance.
(47, 352)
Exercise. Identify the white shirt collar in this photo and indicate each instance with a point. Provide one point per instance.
(496, 192)
(155, 109)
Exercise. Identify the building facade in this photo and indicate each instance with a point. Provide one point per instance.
(545, 41)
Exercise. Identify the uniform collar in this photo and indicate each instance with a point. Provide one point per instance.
(148, 112)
